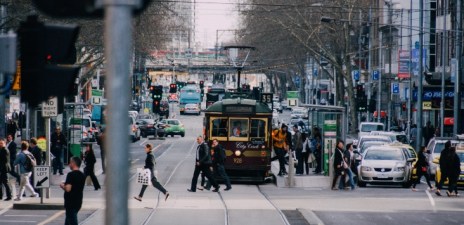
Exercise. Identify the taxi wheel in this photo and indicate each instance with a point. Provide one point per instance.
(407, 184)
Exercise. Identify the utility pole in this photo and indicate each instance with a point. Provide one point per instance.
(390, 52)
(457, 79)
(421, 76)
(369, 78)
(2, 78)
(410, 70)
(118, 39)
(444, 63)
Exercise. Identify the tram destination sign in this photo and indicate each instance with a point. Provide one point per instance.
(238, 109)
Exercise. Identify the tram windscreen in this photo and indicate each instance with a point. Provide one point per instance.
(258, 128)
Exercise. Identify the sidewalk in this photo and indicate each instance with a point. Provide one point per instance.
(305, 181)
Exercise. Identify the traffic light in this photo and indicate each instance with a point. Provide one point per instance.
(359, 90)
(156, 106)
(173, 88)
(157, 92)
(372, 105)
(403, 106)
(47, 52)
(202, 84)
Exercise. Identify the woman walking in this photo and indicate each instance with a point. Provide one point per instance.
(90, 160)
(421, 169)
(150, 164)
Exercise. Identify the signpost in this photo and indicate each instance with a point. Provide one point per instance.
(41, 178)
(330, 139)
(49, 109)
(292, 98)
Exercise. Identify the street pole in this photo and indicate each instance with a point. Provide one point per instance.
(369, 78)
(239, 72)
(118, 41)
(421, 76)
(379, 91)
(410, 71)
(457, 79)
(2, 78)
(47, 153)
(444, 63)
(390, 51)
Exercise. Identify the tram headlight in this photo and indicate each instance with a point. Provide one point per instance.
(238, 153)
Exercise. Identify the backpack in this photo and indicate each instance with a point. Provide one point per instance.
(30, 162)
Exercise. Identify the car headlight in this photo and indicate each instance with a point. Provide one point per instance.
(399, 169)
(366, 168)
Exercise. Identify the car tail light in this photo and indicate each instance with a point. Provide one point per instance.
(134, 128)
(150, 125)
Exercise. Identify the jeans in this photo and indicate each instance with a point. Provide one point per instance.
(71, 216)
(341, 184)
(281, 156)
(299, 157)
(206, 170)
(155, 184)
(57, 162)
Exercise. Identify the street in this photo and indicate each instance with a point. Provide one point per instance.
(245, 203)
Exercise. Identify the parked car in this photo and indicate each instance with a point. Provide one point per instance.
(144, 117)
(395, 136)
(134, 131)
(284, 105)
(133, 114)
(434, 148)
(172, 127)
(377, 138)
(278, 107)
(365, 128)
(147, 127)
(384, 164)
(192, 109)
(299, 113)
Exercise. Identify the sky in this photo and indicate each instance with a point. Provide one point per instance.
(213, 15)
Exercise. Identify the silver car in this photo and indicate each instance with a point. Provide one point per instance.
(384, 164)
(192, 109)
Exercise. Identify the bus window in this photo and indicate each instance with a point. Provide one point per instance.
(258, 128)
(238, 128)
(219, 127)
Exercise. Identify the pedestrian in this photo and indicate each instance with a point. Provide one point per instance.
(150, 164)
(280, 146)
(444, 167)
(58, 141)
(454, 172)
(101, 143)
(422, 166)
(413, 135)
(203, 164)
(297, 141)
(275, 130)
(218, 159)
(428, 132)
(11, 128)
(347, 159)
(26, 162)
(306, 152)
(5, 168)
(11, 145)
(90, 160)
(338, 163)
(316, 145)
(37, 153)
(73, 191)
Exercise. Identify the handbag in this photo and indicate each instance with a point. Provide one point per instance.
(424, 169)
(143, 176)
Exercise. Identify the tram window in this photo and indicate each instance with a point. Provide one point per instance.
(219, 128)
(238, 127)
(258, 128)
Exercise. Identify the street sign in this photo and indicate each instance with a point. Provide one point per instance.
(50, 107)
(356, 75)
(42, 177)
(315, 72)
(395, 88)
(375, 75)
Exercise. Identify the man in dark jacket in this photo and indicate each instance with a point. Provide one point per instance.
(443, 163)
(11, 146)
(5, 168)
(58, 141)
(219, 158)
(36, 152)
(338, 159)
(298, 148)
(203, 164)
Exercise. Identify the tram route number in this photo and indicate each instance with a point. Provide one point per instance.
(238, 160)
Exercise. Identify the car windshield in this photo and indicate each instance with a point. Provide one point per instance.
(371, 127)
(369, 144)
(190, 106)
(142, 117)
(383, 154)
(173, 122)
(402, 138)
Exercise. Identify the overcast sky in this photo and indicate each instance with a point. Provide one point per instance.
(215, 15)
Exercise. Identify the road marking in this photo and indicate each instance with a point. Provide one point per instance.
(143, 142)
(90, 217)
(17, 221)
(432, 201)
(50, 219)
(6, 209)
(27, 215)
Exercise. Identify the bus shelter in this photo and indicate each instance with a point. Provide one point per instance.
(332, 123)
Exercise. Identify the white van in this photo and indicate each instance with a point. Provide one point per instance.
(365, 128)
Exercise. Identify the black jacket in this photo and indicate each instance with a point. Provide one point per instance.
(203, 154)
(421, 160)
(5, 165)
(219, 155)
(13, 152)
(150, 162)
(338, 157)
(58, 141)
(90, 159)
(443, 160)
(37, 153)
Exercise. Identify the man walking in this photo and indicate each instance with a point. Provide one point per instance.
(26, 161)
(444, 167)
(73, 191)
(298, 147)
(218, 161)
(101, 143)
(203, 164)
(11, 146)
(58, 143)
(5, 168)
(337, 163)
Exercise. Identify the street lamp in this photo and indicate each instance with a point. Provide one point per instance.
(238, 55)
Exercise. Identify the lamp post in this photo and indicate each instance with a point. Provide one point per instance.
(238, 55)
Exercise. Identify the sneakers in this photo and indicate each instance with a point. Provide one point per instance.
(7, 199)
(438, 192)
(228, 188)
(449, 193)
(216, 189)
(413, 189)
(17, 199)
(138, 198)
(36, 195)
(190, 190)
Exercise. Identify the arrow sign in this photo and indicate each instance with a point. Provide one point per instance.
(40, 182)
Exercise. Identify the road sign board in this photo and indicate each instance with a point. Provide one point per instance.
(356, 75)
(50, 107)
(395, 88)
(42, 177)
(375, 75)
